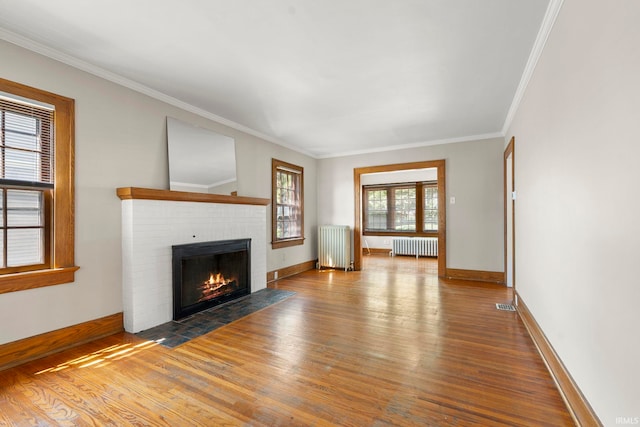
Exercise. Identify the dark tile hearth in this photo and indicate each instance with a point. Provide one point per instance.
(176, 332)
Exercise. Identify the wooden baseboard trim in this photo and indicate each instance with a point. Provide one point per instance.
(578, 406)
(476, 275)
(375, 251)
(291, 270)
(18, 352)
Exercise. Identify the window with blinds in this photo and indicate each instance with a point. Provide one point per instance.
(26, 183)
(400, 209)
(287, 204)
(376, 209)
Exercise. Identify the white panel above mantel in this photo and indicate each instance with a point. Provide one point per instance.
(155, 220)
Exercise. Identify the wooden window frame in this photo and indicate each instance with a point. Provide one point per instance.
(47, 203)
(424, 186)
(419, 231)
(61, 225)
(276, 242)
(365, 194)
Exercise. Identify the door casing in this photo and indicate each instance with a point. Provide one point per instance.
(509, 217)
(442, 208)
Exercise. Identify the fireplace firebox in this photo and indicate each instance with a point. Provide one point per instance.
(209, 273)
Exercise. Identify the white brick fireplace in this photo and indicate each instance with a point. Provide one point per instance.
(155, 220)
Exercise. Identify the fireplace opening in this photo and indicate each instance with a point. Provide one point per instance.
(210, 273)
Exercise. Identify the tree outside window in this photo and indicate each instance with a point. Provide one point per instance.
(430, 207)
(395, 209)
(287, 204)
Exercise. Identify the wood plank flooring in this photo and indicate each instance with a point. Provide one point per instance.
(390, 345)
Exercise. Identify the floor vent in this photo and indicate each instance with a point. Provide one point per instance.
(505, 307)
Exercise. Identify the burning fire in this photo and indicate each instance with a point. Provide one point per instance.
(215, 281)
(218, 279)
(213, 284)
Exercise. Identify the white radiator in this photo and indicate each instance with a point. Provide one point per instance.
(334, 246)
(418, 246)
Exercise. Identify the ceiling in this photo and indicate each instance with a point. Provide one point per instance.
(326, 78)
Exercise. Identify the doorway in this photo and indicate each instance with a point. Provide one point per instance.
(442, 215)
(509, 217)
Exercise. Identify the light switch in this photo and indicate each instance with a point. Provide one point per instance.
(452, 200)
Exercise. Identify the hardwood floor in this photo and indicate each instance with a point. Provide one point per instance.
(390, 345)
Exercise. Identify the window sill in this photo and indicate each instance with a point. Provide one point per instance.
(287, 243)
(36, 279)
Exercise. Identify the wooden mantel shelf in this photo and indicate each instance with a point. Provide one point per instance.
(126, 193)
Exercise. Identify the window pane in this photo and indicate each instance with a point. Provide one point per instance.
(376, 209)
(430, 208)
(430, 221)
(2, 229)
(2, 249)
(20, 123)
(22, 165)
(24, 208)
(295, 227)
(288, 202)
(25, 247)
(21, 140)
(404, 209)
(377, 221)
(287, 205)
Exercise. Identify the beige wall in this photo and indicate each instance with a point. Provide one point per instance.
(474, 176)
(121, 142)
(576, 176)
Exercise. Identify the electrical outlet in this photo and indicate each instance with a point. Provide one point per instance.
(386, 242)
(275, 275)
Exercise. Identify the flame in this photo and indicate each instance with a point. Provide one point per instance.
(211, 286)
(218, 279)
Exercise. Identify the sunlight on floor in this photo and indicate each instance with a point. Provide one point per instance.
(101, 357)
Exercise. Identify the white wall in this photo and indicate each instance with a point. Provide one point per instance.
(226, 188)
(152, 227)
(398, 177)
(577, 175)
(121, 142)
(474, 176)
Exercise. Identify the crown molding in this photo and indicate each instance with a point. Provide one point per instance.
(414, 145)
(536, 51)
(74, 62)
(547, 24)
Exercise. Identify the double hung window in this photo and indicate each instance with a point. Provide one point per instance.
(36, 188)
(407, 208)
(287, 204)
(26, 184)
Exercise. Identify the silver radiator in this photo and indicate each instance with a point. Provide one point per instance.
(418, 246)
(334, 246)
